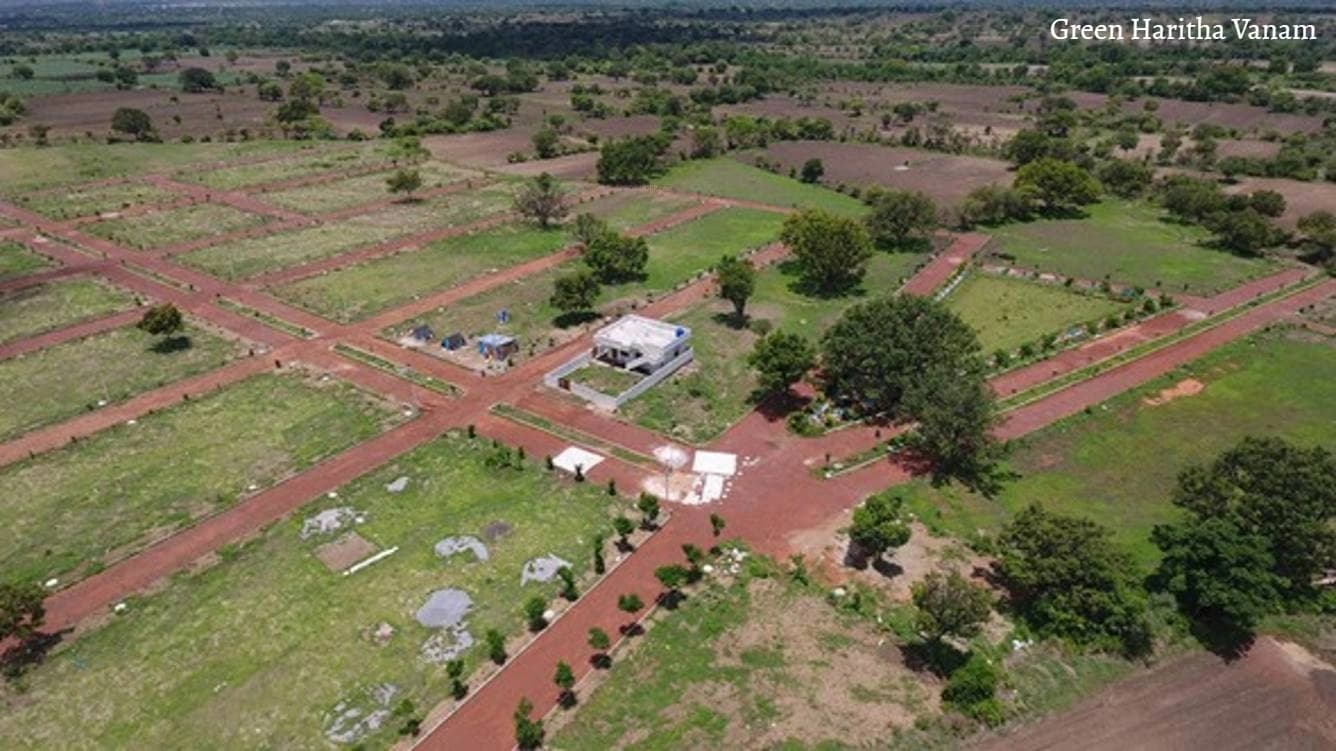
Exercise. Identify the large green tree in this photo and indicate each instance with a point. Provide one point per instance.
(1277, 491)
(630, 161)
(831, 251)
(616, 258)
(575, 292)
(900, 218)
(1220, 574)
(737, 280)
(880, 350)
(132, 122)
(1060, 185)
(781, 358)
(1067, 579)
(954, 413)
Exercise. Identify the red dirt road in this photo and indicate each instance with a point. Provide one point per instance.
(963, 247)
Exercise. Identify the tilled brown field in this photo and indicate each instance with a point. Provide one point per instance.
(1300, 197)
(1243, 117)
(946, 178)
(76, 114)
(1278, 696)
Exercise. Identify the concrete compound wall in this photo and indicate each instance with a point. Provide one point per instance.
(602, 400)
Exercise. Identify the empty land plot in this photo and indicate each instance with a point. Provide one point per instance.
(17, 259)
(946, 178)
(732, 179)
(533, 320)
(1118, 464)
(258, 255)
(355, 191)
(678, 254)
(268, 647)
(1130, 243)
(304, 165)
(112, 493)
(354, 292)
(28, 170)
(56, 383)
(625, 211)
(29, 311)
(158, 228)
(1007, 313)
(66, 203)
(759, 663)
(702, 400)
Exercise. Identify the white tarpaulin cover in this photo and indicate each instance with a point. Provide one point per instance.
(715, 463)
(573, 456)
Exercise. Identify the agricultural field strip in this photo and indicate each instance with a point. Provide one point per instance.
(1046, 388)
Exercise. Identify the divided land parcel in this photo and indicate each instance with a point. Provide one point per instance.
(270, 648)
(1118, 464)
(110, 494)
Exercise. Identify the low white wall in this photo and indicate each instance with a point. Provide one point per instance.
(649, 381)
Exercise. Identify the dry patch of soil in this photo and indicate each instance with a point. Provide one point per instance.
(838, 678)
(1185, 387)
(1278, 696)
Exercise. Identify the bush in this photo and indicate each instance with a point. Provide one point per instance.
(972, 690)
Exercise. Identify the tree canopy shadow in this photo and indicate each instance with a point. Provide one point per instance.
(18, 658)
(776, 406)
(933, 656)
(576, 318)
(172, 344)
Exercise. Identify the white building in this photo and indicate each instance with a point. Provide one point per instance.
(651, 349)
(642, 344)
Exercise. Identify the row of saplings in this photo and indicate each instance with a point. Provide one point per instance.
(1255, 536)
(529, 733)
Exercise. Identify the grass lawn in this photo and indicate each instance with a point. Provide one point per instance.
(624, 211)
(1118, 465)
(733, 179)
(704, 399)
(112, 493)
(65, 203)
(28, 169)
(258, 255)
(257, 651)
(326, 159)
(159, 228)
(756, 663)
(354, 191)
(60, 382)
(1007, 313)
(606, 379)
(531, 317)
(1128, 242)
(354, 292)
(33, 310)
(17, 259)
(678, 254)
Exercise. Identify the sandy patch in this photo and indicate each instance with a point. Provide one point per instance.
(1185, 387)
